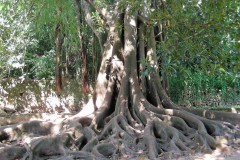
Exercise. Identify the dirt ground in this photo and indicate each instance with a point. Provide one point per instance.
(229, 153)
(53, 104)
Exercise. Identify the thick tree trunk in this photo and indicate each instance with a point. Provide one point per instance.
(130, 113)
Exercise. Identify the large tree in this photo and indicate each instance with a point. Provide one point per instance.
(130, 113)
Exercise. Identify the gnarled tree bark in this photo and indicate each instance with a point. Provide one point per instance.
(130, 114)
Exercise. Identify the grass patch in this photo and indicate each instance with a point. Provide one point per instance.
(218, 107)
(198, 89)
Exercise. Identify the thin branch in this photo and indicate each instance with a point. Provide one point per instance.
(85, 6)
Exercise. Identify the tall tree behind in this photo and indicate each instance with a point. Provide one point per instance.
(161, 29)
(83, 47)
(59, 39)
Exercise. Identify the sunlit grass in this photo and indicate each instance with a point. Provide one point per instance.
(224, 107)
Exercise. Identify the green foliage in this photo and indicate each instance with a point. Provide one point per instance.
(40, 67)
(98, 22)
(15, 37)
(27, 34)
(201, 46)
(202, 49)
(201, 89)
(203, 37)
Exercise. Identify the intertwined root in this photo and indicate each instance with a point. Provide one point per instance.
(178, 133)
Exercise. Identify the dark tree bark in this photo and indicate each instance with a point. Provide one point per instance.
(96, 57)
(85, 83)
(129, 114)
(59, 38)
(160, 37)
(83, 50)
(67, 75)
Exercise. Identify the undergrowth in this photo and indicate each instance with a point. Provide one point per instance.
(200, 89)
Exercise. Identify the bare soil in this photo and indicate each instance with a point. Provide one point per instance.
(229, 153)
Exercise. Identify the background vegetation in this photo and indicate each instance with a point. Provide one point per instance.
(202, 44)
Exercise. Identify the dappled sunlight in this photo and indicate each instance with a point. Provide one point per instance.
(27, 139)
(151, 59)
(32, 96)
(56, 129)
(128, 48)
(101, 78)
(133, 23)
(101, 91)
(227, 154)
(212, 116)
(141, 107)
(8, 130)
(221, 140)
(50, 117)
(131, 80)
(104, 11)
(169, 111)
(101, 83)
(168, 119)
(87, 110)
(204, 113)
(234, 110)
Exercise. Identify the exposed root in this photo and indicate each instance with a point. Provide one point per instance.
(164, 132)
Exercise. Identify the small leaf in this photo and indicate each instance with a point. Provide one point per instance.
(145, 73)
(222, 70)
